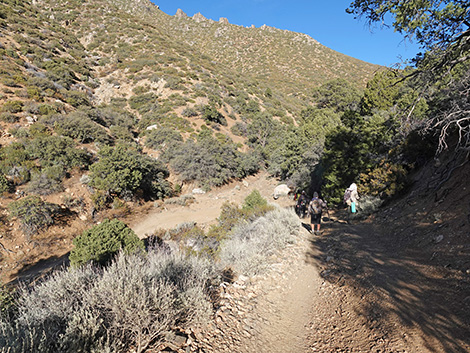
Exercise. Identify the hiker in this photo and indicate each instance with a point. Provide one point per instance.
(351, 197)
(315, 209)
(301, 205)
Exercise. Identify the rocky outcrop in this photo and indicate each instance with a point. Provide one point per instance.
(180, 14)
(199, 18)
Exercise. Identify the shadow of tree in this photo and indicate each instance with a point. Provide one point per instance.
(30, 273)
(396, 282)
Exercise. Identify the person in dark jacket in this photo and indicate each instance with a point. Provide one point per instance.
(315, 209)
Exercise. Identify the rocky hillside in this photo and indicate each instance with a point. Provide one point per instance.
(85, 85)
(139, 39)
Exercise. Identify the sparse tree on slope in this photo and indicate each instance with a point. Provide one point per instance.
(442, 28)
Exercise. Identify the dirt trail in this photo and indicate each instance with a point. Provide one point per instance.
(352, 289)
(206, 207)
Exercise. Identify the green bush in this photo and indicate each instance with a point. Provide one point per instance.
(6, 300)
(208, 161)
(4, 184)
(12, 107)
(144, 103)
(78, 125)
(163, 135)
(101, 243)
(77, 98)
(46, 109)
(15, 163)
(124, 169)
(8, 117)
(254, 201)
(385, 180)
(121, 133)
(212, 115)
(33, 213)
(189, 112)
(57, 150)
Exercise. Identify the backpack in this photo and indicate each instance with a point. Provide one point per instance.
(347, 195)
(315, 206)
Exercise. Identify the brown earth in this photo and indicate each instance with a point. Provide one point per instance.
(398, 281)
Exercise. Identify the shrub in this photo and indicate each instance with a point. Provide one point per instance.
(254, 201)
(384, 181)
(33, 213)
(209, 161)
(239, 129)
(113, 115)
(212, 115)
(57, 150)
(4, 184)
(251, 244)
(8, 117)
(102, 242)
(12, 107)
(144, 103)
(121, 133)
(125, 169)
(46, 109)
(77, 99)
(230, 216)
(162, 135)
(128, 305)
(189, 112)
(6, 300)
(78, 125)
(15, 163)
(47, 181)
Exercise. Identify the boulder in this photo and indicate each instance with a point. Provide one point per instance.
(281, 190)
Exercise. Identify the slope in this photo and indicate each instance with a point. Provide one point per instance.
(394, 282)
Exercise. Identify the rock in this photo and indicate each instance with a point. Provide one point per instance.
(245, 183)
(281, 190)
(180, 14)
(199, 17)
(30, 119)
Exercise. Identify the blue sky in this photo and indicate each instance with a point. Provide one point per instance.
(324, 20)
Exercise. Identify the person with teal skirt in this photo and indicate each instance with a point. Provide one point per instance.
(351, 197)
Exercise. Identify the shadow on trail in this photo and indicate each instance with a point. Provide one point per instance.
(32, 272)
(307, 226)
(396, 283)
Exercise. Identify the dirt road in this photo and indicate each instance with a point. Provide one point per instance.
(355, 288)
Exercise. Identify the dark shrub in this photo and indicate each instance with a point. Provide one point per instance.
(102, 242)
(12, 107)
(57, 150)
(33, 213)
(144, 103)
(79, 126)
(47, 181)
(123, 169)
(157, 137)
(4, 184)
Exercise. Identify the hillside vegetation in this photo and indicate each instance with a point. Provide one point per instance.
(134, 103)
(108, 108)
